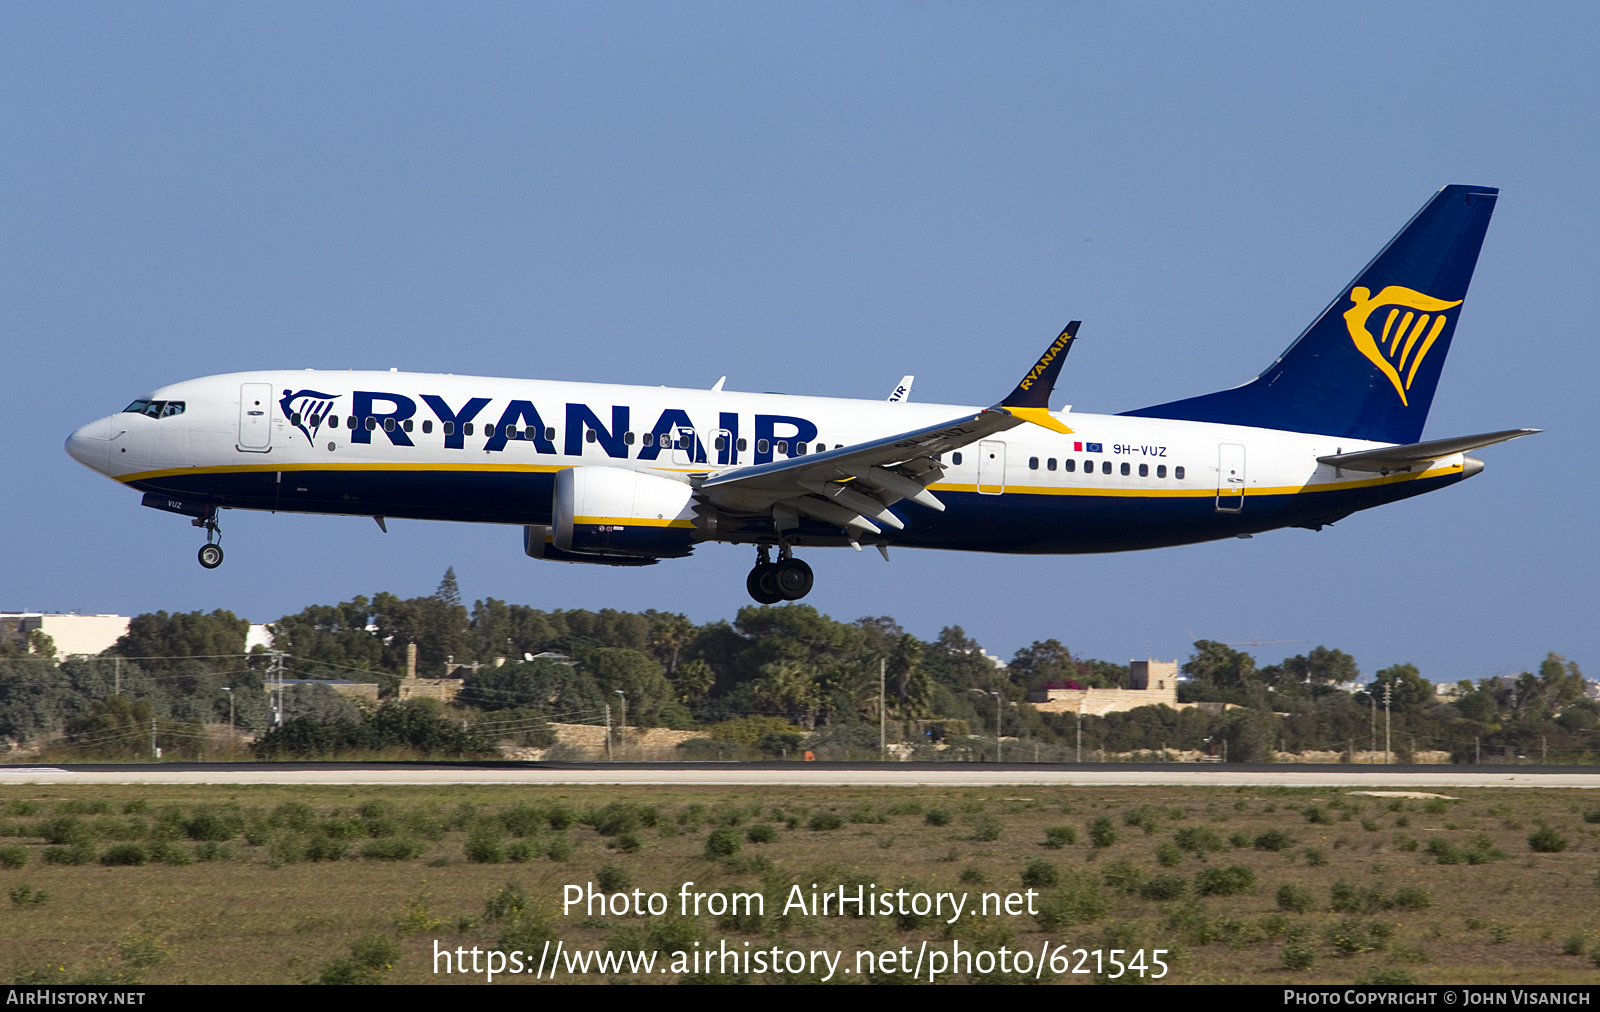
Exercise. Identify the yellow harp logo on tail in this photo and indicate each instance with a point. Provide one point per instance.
(1406, 335)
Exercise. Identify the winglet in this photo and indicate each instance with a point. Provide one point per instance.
(1034, 390)
(1030, 401)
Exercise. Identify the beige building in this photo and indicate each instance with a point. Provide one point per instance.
(73, 634)
(1151, 683)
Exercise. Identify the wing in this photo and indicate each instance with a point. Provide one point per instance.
(854, 486)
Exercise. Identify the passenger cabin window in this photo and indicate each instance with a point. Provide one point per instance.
(822, 447)
(1033, 463)
(294, 418)
(721, 442)
(1126, 470)
(1069, 465)
(427, 427)
(743, 444)
(1177, 473)
(1144, 470)
(762, 446)
(550, 434)
(799, 449)
(1161, 470)
(589, 436)
(1105, 467)
(407, 425)
(466, 429)
(449, 428)
(388, 425)
(783, 446)
(1050, 465)
(647, 439)
(627, 438)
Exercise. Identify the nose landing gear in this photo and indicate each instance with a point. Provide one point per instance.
(211, 551)
(788, 579)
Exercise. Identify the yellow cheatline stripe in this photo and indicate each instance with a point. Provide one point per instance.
(632, 522)
(1198, 493)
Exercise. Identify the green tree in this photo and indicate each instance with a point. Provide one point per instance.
(1408, 690)
(1219, 665)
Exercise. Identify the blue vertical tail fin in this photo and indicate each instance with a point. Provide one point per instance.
(1367, 367)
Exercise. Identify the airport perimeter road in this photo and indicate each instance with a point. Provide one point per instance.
(811, 774)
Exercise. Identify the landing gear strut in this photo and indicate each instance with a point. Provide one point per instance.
(211, 551)
(788, 579)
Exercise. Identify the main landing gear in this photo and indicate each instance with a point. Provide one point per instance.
(788, 579)
(211, 551)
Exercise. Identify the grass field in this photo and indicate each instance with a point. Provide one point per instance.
(1249, 885)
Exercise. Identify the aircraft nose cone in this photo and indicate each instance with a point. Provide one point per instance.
(91, 445)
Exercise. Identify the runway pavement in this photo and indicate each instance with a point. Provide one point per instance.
(795, 774)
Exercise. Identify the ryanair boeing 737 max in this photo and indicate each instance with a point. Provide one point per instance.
(626, 476)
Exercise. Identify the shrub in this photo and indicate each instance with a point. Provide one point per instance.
(560, 849)
(326, 848)
(170, 853)
(1274, 840)
(1592, 815)
(1102, 834)
(1168, 855)
(762, 832)
(520, 851)
(124, 854)
(1227, 881)
(394, 848)
(1123, 876)
(1413, 898)
(482, 848)
(1436, 806)
(78, 853)
(1316, 815)
(1198, 840)
(1298, 954)
(1545, 840)
(1296, 900)
(613, 879)
(1078, 901)
(1445, 852)
(973, 876)
(1314, 857)
(1164, 887)
(628, 843)
(212, 824)
(937, 817)
(825, 821)
(987, 828)
(64, 830)
(13, 857)
(523, 820)
(1040, 875)
(1057, 837)
(723, 842)
(27, 896)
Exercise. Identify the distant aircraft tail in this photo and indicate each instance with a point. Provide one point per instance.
(1367, 367)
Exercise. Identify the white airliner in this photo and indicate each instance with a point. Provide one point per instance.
(626, 476)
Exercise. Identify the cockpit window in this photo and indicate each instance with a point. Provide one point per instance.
(155, 409)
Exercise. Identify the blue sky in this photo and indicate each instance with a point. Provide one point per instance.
(818, 199)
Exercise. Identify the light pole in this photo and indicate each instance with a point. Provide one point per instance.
(883, 741)
(996, 696)
(622, 742)
(229, 690)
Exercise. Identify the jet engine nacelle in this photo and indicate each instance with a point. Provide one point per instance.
(612, 511)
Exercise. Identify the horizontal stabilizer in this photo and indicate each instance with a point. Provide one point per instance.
(1402, 458)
